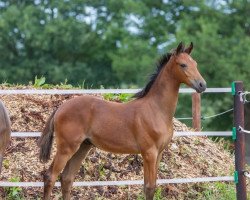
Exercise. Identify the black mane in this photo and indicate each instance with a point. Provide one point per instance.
(159, 66)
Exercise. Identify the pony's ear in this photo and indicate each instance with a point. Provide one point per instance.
(189, 49)
(180, 48)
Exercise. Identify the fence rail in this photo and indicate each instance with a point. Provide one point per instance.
(99, 91)
(120, 183)
(176, 134)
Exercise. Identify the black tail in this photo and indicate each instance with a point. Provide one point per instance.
(46, 140)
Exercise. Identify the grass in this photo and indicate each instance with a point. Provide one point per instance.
(218, 190)
(205, 191)
(14, 193)
(40, 83)
(157, 196)
(118, 97)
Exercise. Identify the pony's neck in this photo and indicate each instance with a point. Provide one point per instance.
(164, 92)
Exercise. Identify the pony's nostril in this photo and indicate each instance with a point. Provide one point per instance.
(199, 85)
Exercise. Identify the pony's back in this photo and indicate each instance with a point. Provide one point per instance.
(5, 130)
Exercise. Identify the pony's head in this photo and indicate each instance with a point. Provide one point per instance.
(185, 68)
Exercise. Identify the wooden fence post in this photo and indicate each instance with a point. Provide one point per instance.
(239, 142)
(196, 111)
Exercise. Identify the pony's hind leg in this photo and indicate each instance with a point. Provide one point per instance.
(72, 167)
(63, 154)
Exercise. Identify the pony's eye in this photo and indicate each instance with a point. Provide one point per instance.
(183, 65)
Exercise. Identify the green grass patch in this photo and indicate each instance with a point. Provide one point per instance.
(14, 193)
(218, 190)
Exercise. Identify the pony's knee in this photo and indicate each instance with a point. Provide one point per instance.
(66, 181)
(149, 187)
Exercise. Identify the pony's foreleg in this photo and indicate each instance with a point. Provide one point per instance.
(159, 157)
(71, 169)
(4, 142)
(63, 154)
(1, 162)
(150, 173)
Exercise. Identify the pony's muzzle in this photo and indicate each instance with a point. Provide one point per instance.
(199, 85)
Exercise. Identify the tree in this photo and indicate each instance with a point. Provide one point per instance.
(115, 43)
(221, 46)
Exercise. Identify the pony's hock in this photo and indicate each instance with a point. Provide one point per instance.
(128, 128)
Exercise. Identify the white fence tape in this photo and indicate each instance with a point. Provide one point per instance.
(204, 133)
(25, 134)
(176, 134)
(119, 183)
(100, 91)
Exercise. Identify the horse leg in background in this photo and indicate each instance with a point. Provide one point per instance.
(4, 142)
(72, 167)
(159, 157)
(150, 173)
(64, 152)
(5, 131)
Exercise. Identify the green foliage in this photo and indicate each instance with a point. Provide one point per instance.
(158, 194)
(118, 97)
(220, 50)
(14, 193)
(101, 170)
(6, 163)
(132, 59)
(209, 191)
(225, 142)
(115, 43)
(220, 191)
(39, 81)
(140, 197)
